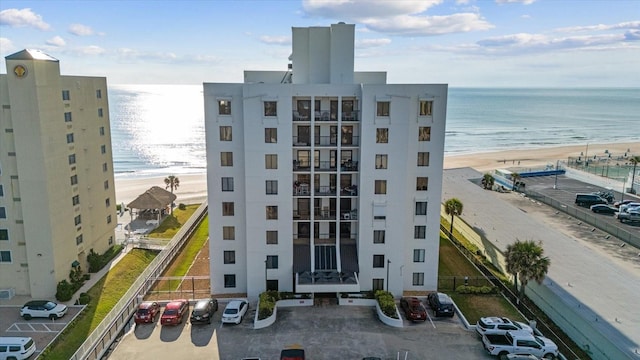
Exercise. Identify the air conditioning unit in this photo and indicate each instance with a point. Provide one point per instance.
(7, 294)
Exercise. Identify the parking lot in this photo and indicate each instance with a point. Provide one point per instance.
(325, 332)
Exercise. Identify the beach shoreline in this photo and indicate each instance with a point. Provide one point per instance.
(193, 186)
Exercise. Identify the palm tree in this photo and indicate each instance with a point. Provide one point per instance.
(452, 207)
(488, 180)
(514, 177)
(634, 160)
(525, 260)
(172, 182)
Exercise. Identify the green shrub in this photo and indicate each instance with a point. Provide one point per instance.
(476, 290)
(64, 291)
(182, 206)
(84, 298)
(267, 303)
(97, 261)
(387, 303)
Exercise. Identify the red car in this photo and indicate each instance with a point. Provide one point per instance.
(174, 312)
(413, 309)
(147, 312)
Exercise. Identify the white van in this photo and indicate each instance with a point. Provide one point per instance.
(16, 348)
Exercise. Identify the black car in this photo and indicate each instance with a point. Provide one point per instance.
(603, 209)
(441, 304)
(203, 311)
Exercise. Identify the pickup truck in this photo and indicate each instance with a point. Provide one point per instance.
(519, 342)
(632, 216)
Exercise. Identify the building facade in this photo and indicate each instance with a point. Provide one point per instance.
(322, 179)
(57, 195)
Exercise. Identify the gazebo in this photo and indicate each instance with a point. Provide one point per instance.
(152, 204)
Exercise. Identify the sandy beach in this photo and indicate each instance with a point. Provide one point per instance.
(193, 187)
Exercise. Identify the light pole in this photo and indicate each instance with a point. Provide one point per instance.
(555, 185)
(388, 266)
(624, 184)
(265, 275)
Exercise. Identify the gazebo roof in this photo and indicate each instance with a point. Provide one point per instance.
(154, 198)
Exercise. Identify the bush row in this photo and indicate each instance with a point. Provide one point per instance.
(98, 261)
(466, 289)
(387, 303)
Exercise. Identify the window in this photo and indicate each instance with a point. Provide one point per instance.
(229, 257)
(226, 158)
(378, 236)
(1, 190)
(72, 159)
(272, 187)
(4, 234)
(270, 108)
(272, 285)
(382, 135)
(424, 133)
(228, 233)
(227, 184)
(378, 261)
(228, 209)
(3, 212)
(107, 202)
(382, 108)
(105, 167)
(226, 133)
(272, 261)
(103, 149)
(381, 161)
(67, 117)
(418, 279)
(425, 107)
(423, 159)
(229, 280)
(108, 219)
(271, 135)
(419, 232)
(272, 213)
(75, 200)
(5, 256)
(378, 284)
(272, 237)
(418, 255)
(66, 95)
(101, 130)
(224, 107)
(79, 239)
(422, 183)
(77, 220)
(271, 161)
(106, 184)
(74, 180)
(98, 94)
(421, 208)
(100, 113)
(379, 211)
(380, 187)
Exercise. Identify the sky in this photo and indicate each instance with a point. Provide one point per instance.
(463, 43)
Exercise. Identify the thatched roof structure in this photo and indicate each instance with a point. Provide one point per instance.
(154, 198)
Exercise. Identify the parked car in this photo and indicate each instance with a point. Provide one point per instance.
(500, 325)
(413, 309)
(203, 311)
(147, 312)
(43, 309)
(589, 199)
(603, 209)
(519, 342)
(633, 216)
(174, 312)
(629, 207)
(522, 357)
(16, 348)
(617, 204)
(234, 311)
(441, 304)
(292, 354)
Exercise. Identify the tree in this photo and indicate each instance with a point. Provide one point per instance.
(452, 207)
(487, 181)
(634, 160)
(525, 260)
(172, 182)
(514, 177)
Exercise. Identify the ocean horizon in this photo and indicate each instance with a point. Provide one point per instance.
(158, 130)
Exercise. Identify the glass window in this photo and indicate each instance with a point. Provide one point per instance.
(67, 117)
(100, 112)
(107, 202)
(105, 167)
(378, 284)
(272, 187)
(422, 183)
(72, 159)
(382, 135)
(272, 213)
(103, 149)
(75, 200)
(419, 232)
(79, 239)
(74, 180)
(108, 219)
(66, 95)
(272, 261)
(271, 135)
(418, 279)
(228, 233)
(229, 257)
(98, 94)
(1, 190)
(224, 107)
(380, 187)
(381, 161)
(5, 256)
(227, 184)
(226, 158)
(424, 133)
(270, 108)
(77, 220)
(418, 255)
(229, 280)
(425, 107)
(106, 184)
(382, 108)
(421, 208)
(378, 261)
(4, 234)
(423, 159)
(101, 130)
(272, 237)
(228, 209)
(271, 161)
(226, 133)
(378, 236)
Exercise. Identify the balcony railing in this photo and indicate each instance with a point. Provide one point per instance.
(300, 189)
(350, 140)
(331, 140)
(349, 165)
(300, 116)
(301, 141)
(326, 166)
(326, 115)
(324, 214)
(353, 115)
(301, 165)
(351, 190)
(325, 191)
(301, 215)
(349, 215)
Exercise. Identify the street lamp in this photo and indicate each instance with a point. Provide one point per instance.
(265, 275)
(555, 185)
(388, 266)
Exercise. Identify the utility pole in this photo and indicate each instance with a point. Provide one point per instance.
(388, 266)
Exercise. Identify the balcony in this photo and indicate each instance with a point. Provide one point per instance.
(326, 140)
(349, 165)
(350, 140)
(325, 191)
(325, 166)
(300, 189)
(301, 215)
(301, 165)
(349, 215)
(301, 141)
(324, 214)
(353, 115)
(300, 116)
(326, 115)
(351, 190)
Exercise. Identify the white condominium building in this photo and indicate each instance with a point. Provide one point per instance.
(57, 197)
(322, 179)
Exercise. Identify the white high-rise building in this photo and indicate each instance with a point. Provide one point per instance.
(322, 179)
(57, 196)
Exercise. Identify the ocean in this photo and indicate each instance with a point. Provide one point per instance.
(158, 130)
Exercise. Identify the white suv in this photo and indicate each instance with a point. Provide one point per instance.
(499, 326)
(43, 309)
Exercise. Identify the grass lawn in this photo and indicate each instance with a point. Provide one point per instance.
(172, 223)
(104, 295)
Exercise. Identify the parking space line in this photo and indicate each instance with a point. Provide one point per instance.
(39, 327)
(431, 320)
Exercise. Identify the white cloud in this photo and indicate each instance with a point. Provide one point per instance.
(525, 2)
(131, 55)
(602, 27)
(80, 30)
(6, 46)
(371, 43)
(90, 50)
(361, 9)
(429, 25)
(276, 40)
(56, 41)
(22, 18)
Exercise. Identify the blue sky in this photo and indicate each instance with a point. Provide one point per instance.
(483, 43)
